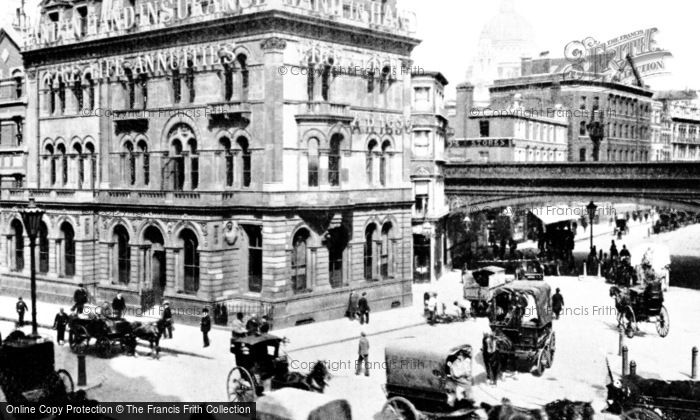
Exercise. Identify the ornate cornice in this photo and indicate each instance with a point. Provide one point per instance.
(273, 44)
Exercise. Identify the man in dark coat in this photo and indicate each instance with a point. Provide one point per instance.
(167, 318)
(363, 355)
(363, 308)
(613, 250)
(353, 302)
(80, 298)
(557, 303)
(624, 252)
(205, 326)
(59, 324)
(21, 309)
(118, 305)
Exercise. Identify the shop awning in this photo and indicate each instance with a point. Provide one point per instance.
(553, 214)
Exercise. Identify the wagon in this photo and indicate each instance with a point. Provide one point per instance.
(105, 334)
(261, 363)
(419, 381)
(641, 303)
(479, 288)
(521, 319)
(296, 404)
(636, 398)
(27, 372)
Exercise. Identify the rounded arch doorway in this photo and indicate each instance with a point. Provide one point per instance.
(154, 258)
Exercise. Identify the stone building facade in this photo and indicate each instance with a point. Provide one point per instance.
(254, 159)
(13, 103)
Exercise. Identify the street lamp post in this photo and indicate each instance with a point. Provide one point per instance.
(31, 216)
(591, 208)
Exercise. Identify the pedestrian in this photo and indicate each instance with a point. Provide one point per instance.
(363, 308)
(80, 298)
(59, 324)
(118, 305)
(613, 250)
(625, 253)
(205, 326)
(21, 309)
(363, 355)
(432, 308)
(557, 303)
(239, 330)
(167, 319)
(352, 306)
(253, 325)
(265, 325)
(491, 357)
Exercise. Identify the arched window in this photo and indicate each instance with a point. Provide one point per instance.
(383, 170)
(191, 260)
(242, 62)
(336, 241)
(313, 162)
(19, 84)
(582, 128)
(18, 232)
(255, 255)
(245, 161)
(143, 90)
(334, 160)
(326, 81)
(51, 96)
(121, 237)
(93, 163)
(228, 81)
(385, 250)
(78, 92)
(177, 166)
(177, 87)
(194, 163)
(145, 162)
(64, 163)
(129, 159)
(369, 251)
(310, 80)
(369, 162)
(299, 275)
(80, 164)
(68, 249)
(61, 95)
(384, 80)
(130, 89)
(51, 159)
(225, 144)
(43, 248)
(90, 91)
(189, 81)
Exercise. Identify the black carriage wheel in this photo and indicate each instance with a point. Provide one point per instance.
(552, 348)
(103, 347)
(240, 386)
(640, 414)
(79, 339)
(67, 380)
(663, 322)
(399, 408)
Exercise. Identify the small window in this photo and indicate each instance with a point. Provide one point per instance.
(582, 154)
(484, 128)
(582, 128)
(583, 102)
(484, 157)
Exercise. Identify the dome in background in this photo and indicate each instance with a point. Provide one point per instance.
(508, 27)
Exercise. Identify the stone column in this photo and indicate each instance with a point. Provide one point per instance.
(273, 57)
(31, 134)
(59, 257)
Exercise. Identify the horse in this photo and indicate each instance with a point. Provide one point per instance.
(150, 332)
(622, 301)
(316, 380)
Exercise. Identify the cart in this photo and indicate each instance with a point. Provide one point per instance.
(521, 319)
(479, 287)
(105, 334)
(27, 372)
(296, 404)
(641, 303)
(419, 381)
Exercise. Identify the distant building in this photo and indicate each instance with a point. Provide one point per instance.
(509, 134)
(660, 133)
(504, 40)
(681, 111)
(623, 111)
(429, 127)
(13, 104)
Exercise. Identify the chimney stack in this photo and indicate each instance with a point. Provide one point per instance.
(465, 102)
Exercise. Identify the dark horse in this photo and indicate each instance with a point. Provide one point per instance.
(622, 301)
(557, 410)
(316, 380)
(150, 332)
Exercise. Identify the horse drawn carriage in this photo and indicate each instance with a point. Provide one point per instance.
(521, 320)
(641, 303)
(295, 404)
(424, 382)
(636, 398)
(478, 288)
(262, 364)
(27, 372)
(105, 334)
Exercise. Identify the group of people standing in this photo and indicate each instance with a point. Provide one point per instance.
(358, 307)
